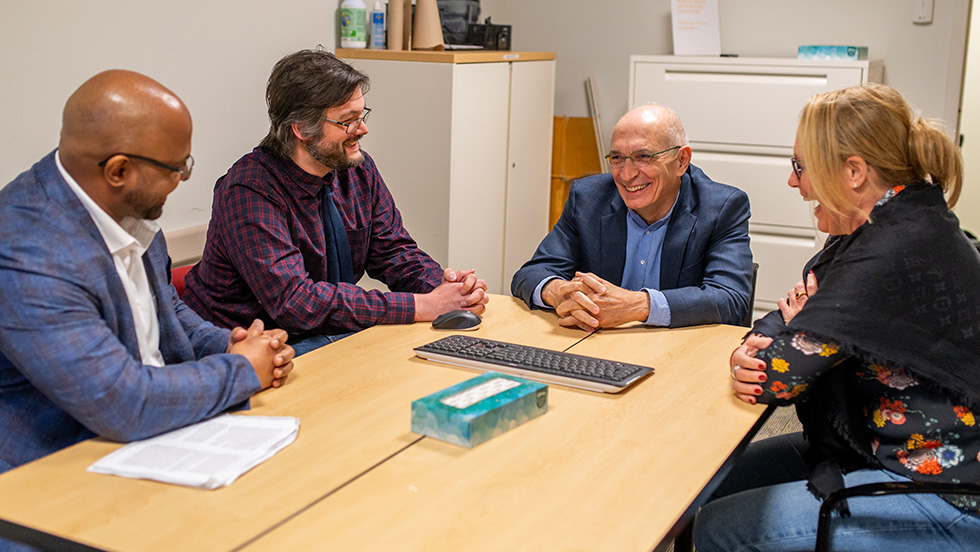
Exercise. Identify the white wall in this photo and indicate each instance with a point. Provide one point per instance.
(215, 54)
(968, 208)
(596, 38)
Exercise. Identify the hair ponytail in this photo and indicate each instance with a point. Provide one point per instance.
(874, 122)
(934, 155)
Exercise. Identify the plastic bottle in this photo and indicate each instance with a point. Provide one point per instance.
(353, 22)
(378, 26)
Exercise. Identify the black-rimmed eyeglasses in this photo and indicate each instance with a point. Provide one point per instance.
(640, 158)
(352, 125)
(797, 167)
(184, 170)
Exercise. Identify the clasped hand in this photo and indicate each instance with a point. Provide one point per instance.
(266, 350)
(749, 373)
(589, 302)
(458, 290)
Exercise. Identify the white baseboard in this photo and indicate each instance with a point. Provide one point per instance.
(187, 244)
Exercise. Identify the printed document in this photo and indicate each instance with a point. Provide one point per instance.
(208, 455)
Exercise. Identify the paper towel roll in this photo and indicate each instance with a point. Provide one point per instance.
(396, 22)
(427, 31)
(407, 26)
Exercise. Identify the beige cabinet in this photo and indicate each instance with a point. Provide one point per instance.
(463, 140)
(741, 115)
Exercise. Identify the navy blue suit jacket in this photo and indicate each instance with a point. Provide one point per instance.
(70, 365)
(706, 263)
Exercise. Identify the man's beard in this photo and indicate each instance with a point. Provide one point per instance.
(333, 156)
(141, 202)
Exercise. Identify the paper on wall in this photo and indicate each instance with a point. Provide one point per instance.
(695, 26)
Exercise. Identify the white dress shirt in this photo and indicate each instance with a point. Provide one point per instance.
(127, 241)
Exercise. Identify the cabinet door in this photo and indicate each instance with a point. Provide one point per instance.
(409, 139)
(738, 104)
(529, 162)
(481, 104)
(782, 229)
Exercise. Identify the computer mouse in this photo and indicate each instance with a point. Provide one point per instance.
(457, 320)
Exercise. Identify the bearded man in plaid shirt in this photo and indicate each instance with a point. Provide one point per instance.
(298, 221)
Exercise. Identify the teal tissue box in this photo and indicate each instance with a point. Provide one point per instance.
(832, 52)
(479, 409)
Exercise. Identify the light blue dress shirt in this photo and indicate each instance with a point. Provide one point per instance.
(644, 243)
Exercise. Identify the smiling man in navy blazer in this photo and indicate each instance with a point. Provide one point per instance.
(656, 241)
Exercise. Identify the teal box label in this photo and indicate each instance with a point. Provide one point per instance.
(479, 409)
(825, 53)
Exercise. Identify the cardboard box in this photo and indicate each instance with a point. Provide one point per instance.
(574, 155)
(479, 409)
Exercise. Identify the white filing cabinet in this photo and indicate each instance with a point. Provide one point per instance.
(463, 140)
(741, 116)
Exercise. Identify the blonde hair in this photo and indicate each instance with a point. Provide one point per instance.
(875, 123)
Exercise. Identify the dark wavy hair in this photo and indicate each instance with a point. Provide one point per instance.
(302, 86)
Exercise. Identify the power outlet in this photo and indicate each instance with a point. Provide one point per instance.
(922, 12)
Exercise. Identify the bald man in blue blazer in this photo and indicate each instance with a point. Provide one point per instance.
(655, 241)
(93, 339)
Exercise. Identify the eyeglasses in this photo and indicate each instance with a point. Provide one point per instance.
(184, 170)
(639, 158)
(353, 124)
(798, 168)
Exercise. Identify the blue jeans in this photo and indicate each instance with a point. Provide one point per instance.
(764, 505)
(314, 342)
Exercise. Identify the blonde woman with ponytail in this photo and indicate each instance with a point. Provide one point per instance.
(878, 345)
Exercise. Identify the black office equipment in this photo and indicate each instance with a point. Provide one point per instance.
(593, 374)
(488, 35)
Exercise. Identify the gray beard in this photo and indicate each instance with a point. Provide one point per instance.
(335, 159)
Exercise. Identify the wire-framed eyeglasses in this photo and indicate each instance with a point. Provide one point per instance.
(184, 170)
(352, 125)
(798, 167)
(640, 158)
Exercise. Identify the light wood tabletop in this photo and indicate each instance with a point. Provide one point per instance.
(597, 472)
(353, 398)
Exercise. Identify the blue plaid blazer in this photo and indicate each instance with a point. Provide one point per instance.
(70, 366)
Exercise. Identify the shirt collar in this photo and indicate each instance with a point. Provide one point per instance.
(308, 184)
(117, 236)
(637, 220)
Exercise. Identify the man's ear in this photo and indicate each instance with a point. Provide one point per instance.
(117, 170)
(683, 160)
(296, 132)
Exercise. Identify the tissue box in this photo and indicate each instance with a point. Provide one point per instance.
(832, 52)
(479, 409)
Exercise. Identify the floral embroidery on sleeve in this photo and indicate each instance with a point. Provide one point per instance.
(889, 411)
(779, 365)
(929, 456)
(896, 378)
(964, 414)
(809, 346)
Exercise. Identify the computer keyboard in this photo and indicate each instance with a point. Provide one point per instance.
(593, 374)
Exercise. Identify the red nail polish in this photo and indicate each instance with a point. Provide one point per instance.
(758, 391)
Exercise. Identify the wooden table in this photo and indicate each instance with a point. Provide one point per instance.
(598, 472)
(596, 467)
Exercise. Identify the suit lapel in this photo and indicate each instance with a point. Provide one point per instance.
(78, 224)
(678, 235)
(61, 195)
(612, 241)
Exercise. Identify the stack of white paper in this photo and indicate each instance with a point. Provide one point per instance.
(208, 455)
